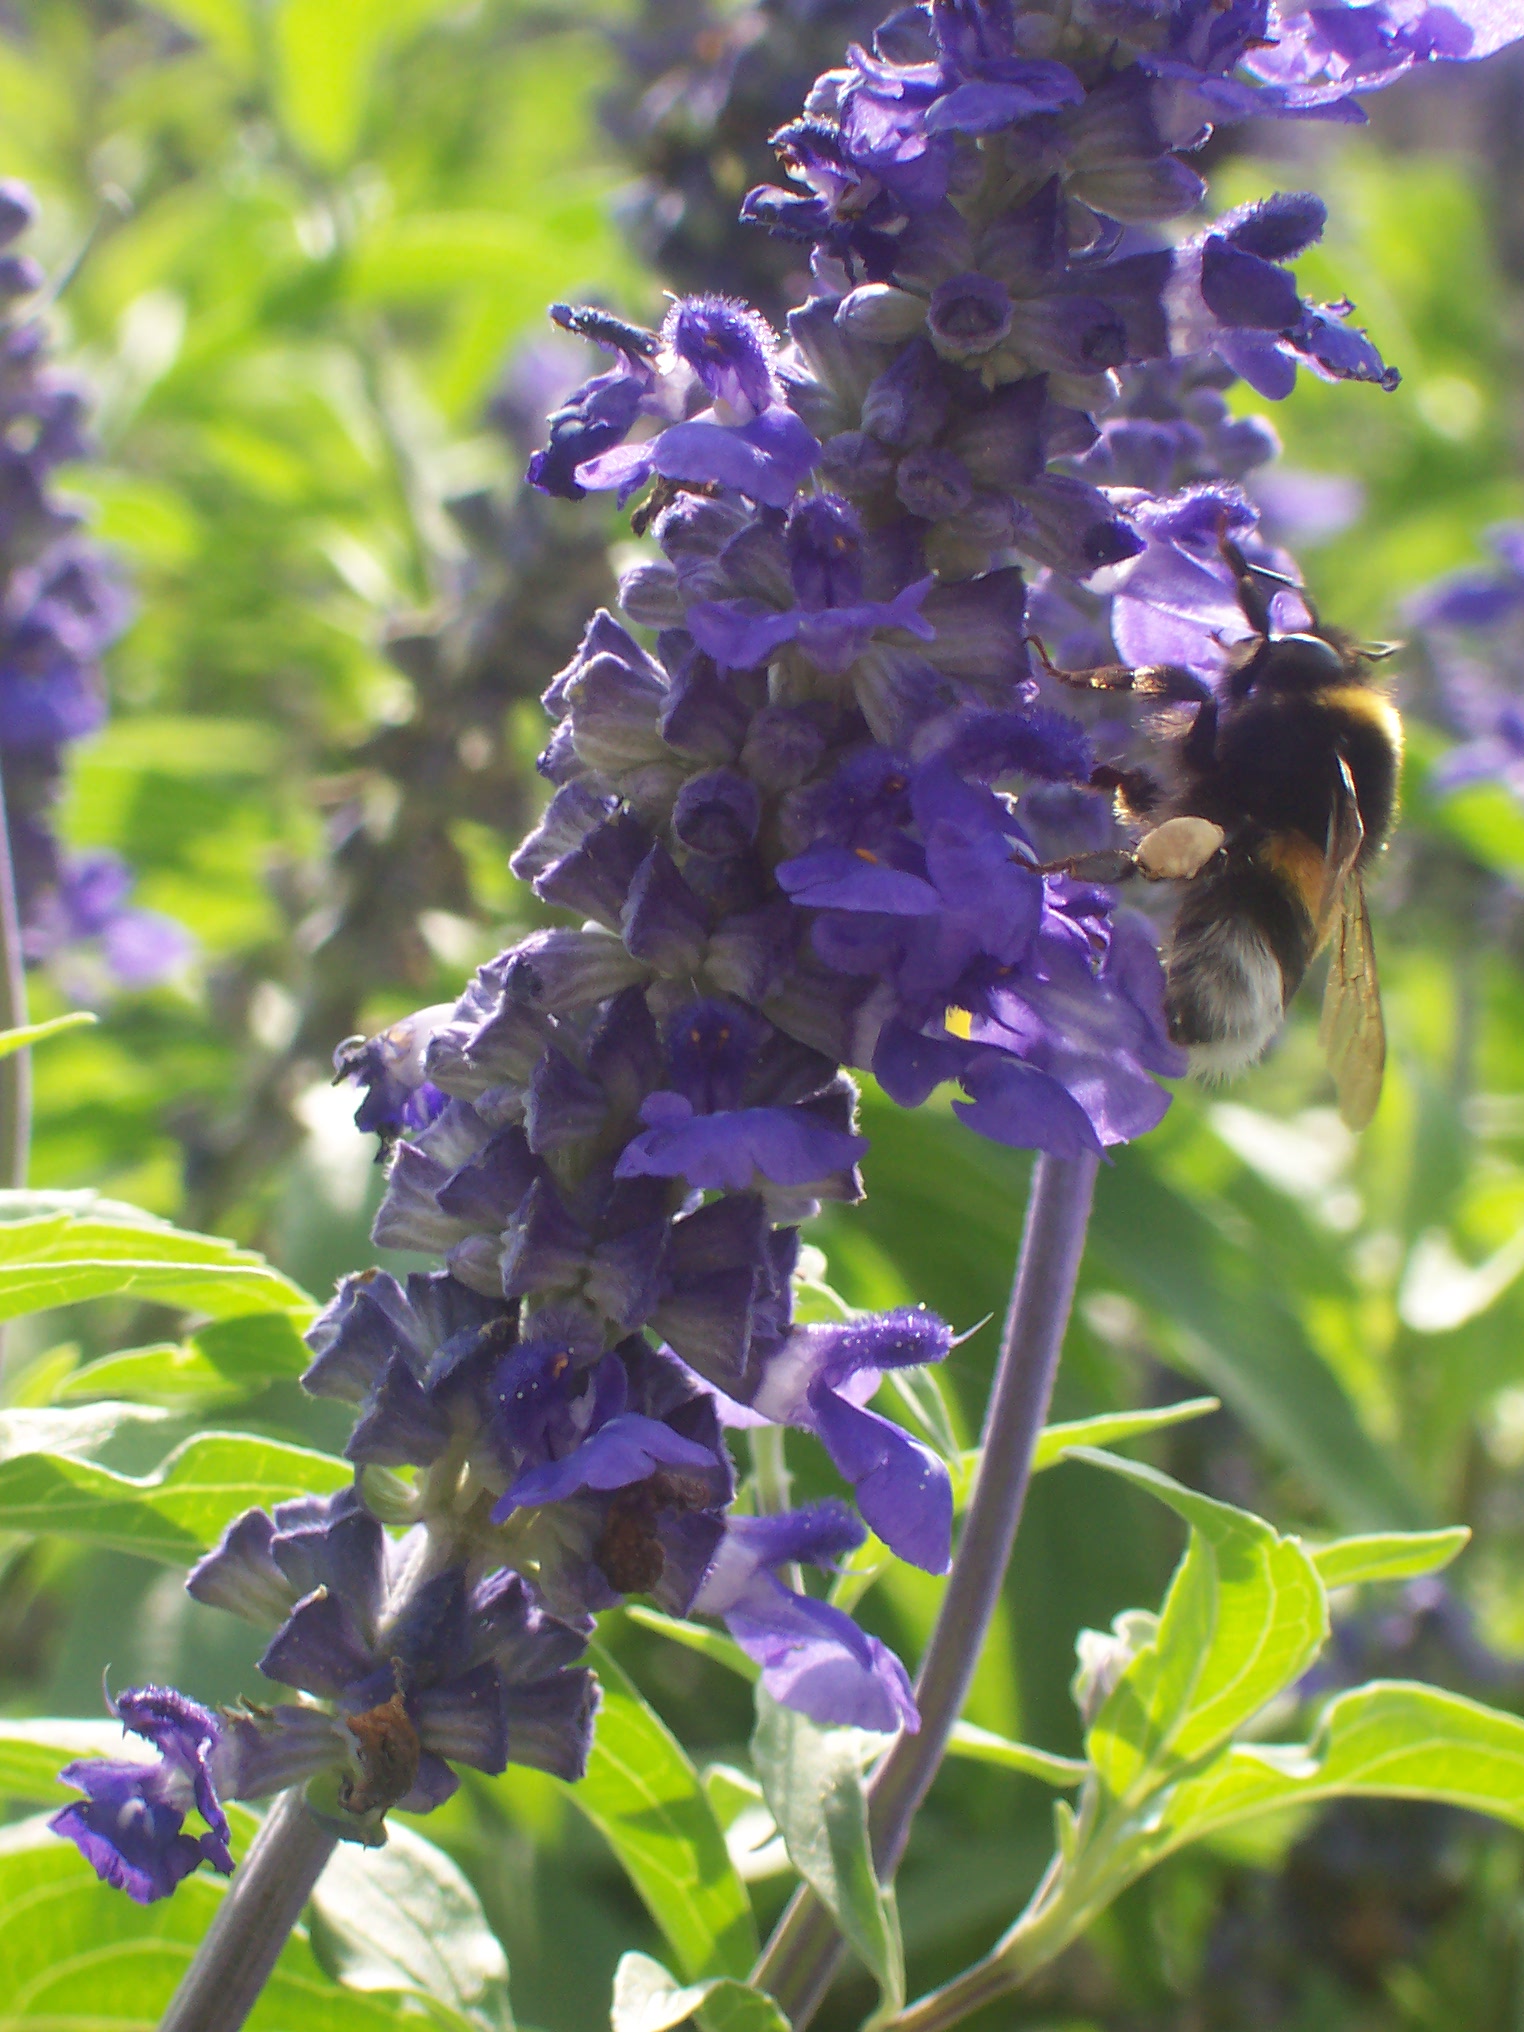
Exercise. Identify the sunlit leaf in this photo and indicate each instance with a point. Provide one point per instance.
(645, 1797)
(75, 1432)
(175, 1513)
(1056, 1442)
(404, 1918)
(709, 1643)
(225, 1362)
(812, 1779)
(1244, 1616)
(1390, 1739)
(78, 1954)
(59, 1249)
(34, 1033)
(1387, 1555)
(648, 1999)
(981, 1746)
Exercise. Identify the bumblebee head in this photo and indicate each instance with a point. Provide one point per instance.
(1303, 663)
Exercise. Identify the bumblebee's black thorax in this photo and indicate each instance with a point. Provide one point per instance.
(1274, 761)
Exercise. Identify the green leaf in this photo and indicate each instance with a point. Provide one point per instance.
(923, 1394)
(77, 1954)
(645, 1798)
(1387, 1555)
(1243, 1341)
(33, 1033)
(32, 1753)
(981, 1746)
(1057, 1442)
(1390, 1739)
(1484, 820)
(860, 1569)
(74, 1432)
(193, 745)
(57, 1249)
(325, 54)
(648, 1999)
(226, 1362)
(404, 1918)
(1245, 1614)
(175, 1513)
(872, 1560)
(812, 1780)
(713, 1644)
(428, 255)
(226, 24)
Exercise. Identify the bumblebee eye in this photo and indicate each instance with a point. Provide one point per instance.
(1313, 657)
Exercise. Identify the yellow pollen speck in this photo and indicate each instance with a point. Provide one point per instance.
(863, 854)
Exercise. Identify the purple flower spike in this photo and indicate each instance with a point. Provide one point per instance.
(813, 1656)
(129, 1827)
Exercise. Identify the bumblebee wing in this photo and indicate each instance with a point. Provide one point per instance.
(1352, 1032)
(1346, 836)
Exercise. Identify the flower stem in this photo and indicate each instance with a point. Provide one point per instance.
(798, 1963)
(15, 1071)
(772, 1484)
(264, 1901)
(769, 1467)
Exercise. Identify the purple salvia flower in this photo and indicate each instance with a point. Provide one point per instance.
(1312, 51)
(813, 1656)
(130, 1825)
(832, 622)
(819, 1378)
(709, 382)
(418, 1677)
(390, 1067)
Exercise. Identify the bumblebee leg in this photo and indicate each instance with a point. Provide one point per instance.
(1198, 750)
(1137, 791)
(1102, 677)
(1109, 864)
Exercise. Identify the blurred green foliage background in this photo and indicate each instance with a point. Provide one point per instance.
(313, 235)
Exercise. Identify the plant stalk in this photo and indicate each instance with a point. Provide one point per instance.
(799, 1961)
(264, 1901)
(15, 1071)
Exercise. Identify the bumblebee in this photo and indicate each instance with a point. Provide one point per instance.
(1278, 788)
